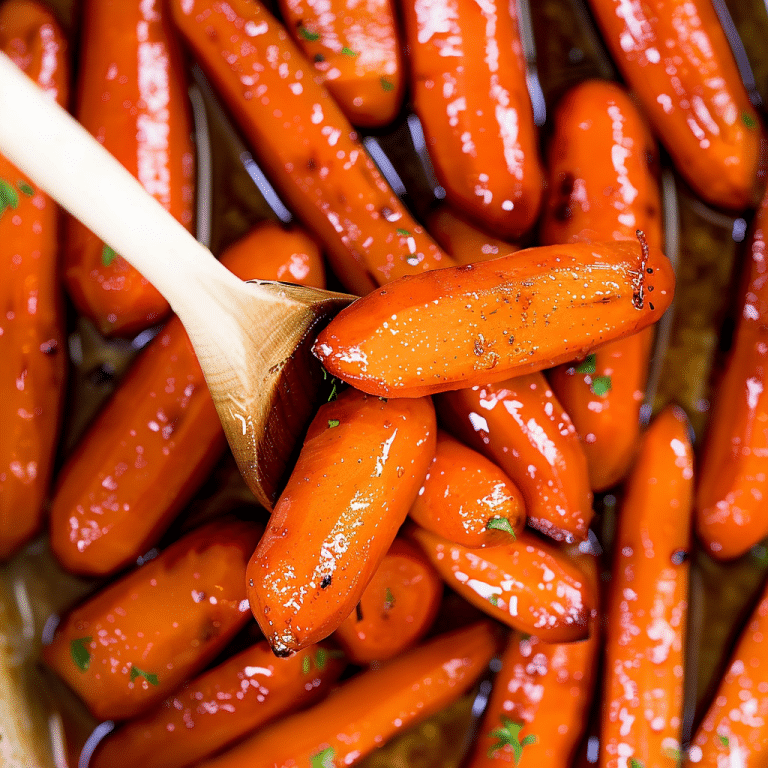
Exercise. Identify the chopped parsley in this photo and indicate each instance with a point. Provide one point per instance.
(334, 384)
(9, 197)
(724, 740)
(634, 763)
(403, 232)
(349, 52)
(148, 676)
(323, 759)
(509, 734)
(308, 34)
(25, 188)
(386, 85)
(601, 385)
(333, 422)
(306, 664)
(587, 365)
(78, 649)
(748, 120)
(674, 753)
(389, 599)
(500, 524)
(494, 600)
(107, 255)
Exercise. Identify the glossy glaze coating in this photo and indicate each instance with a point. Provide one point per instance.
(356, 48)
(396, 609)
(546, 688)
(733, 730)
(647, 610)
(526, 584)
(133, 643)
(475, 324)
(464, 241)
(732, 485)
(467, 498)
(305, 143)
(603, 185)
(520, 425)
(156, 439)
(32, 344)
(372, 707)
(132, 96)
(675, 56)
(362, 463)
(468, 83)
(229, 701)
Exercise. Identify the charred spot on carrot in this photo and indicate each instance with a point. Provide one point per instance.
(637, 294)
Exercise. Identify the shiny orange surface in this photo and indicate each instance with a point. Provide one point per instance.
(468, 84)
(132, 96)
(133, 643)
(304, 142)
(647, 609)
(32, 343)
(358, 472)
(467, 498)
(675, 56)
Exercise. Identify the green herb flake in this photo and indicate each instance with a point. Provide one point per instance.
(306, 664)
(9, 197)
(601, 385)
(323, 759)
(349, 52)
(724, 740)
(403, 232)
(308, 34)
(386, 85)
(148, 676)
(389, 599)
(333, 422)
(107, 255)
(674, 753)
(320, 659)
(509, 734)
(634, 763)
(748, 120)
(78, 649)
(587, 365)
(494, 600)
(500, 524)
(25, 188)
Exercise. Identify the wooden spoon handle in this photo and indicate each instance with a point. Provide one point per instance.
(54, 150)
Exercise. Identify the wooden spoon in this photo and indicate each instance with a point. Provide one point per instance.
(252, 339)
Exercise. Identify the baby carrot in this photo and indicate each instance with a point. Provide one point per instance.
(360, 468)
(32, 348)
(468, 80)
(476, 324)
(733, 483)
(540, 702)
(356, 49)
(675, 56)
(647, 604)
(305, 143)
(370, 708)
(463, 240)
(529, 585)
(603, 187)
(520, 425)
(466, 498)
(734, 730)
(133, 643)
(132, 97)
(157, 438)
(396, 609)
(227, 702)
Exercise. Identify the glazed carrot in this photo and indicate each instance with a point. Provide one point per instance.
(396, 609)
(227, 702)
(356, 49)
(157, 438)
(466, 498)
(469, 89)
(305, 143)
(647, 603)
(675, 56)
(358, 472)
(476, 324)
(134, 642)
(732, 485)
(541, 699)
(31, 322)
(132, 97)
(371, 707)
(519, 425)
(603, 186)
(529, 585)
(734, 730)
(463, 240)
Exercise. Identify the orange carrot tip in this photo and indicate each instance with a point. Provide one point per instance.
(477, 324)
